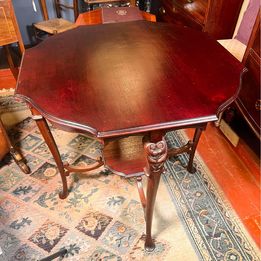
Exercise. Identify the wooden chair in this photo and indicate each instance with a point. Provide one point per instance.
(234, 46)
(9, 32)
(55, 25)
(6, 146)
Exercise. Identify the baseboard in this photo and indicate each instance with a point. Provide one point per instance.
(229, 133)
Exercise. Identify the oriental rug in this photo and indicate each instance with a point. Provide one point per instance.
(9, 104)
(102, 218)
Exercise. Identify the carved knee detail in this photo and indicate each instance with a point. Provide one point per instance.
(157, 154)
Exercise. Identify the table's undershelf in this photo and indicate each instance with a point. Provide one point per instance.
(125, 156)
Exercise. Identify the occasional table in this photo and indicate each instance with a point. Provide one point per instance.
(129, 83)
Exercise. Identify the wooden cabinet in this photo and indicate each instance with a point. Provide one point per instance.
(248, 101)
(217, 17)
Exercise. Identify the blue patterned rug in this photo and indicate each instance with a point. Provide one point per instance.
(210, 222)
(102, 218)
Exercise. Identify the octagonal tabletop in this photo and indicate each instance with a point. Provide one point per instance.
(128, 77)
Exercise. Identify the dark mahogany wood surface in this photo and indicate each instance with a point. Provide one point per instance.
(216, 17)
(117, 79)
(95, 17)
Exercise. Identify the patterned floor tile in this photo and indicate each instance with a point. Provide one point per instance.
(9, 163)
(8, 244)
(29, 142)
(49, 199)
(8, 208)
(33, 161)
(70, 208)
(9, 177)
(22, 225)
(120, 237)
(27, 189)
(94, 150)
(114, 203)
(133, 215)
(75, 243)
(43, 151)
(48, 235)
(115, 198)
(16, 134)
(27, 124)
(62, 137)
(69, 156)
(45, 172)
(83, 161)
(26, 253)
(94, 224)
(98, 178)
(103, 178)
(103, 254)
(110, 202)
(80, 142)
(80, 196)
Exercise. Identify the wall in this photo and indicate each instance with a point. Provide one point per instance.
(247, 20)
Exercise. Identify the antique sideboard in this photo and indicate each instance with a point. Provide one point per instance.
(217, 17)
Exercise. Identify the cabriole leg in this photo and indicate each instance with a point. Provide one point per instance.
(48, 137)
(156, 156)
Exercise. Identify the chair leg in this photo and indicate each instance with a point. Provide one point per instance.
(133, 2)
(75, 9)
(18, 158)
(10, 61)
(57, 8)
(8, 147)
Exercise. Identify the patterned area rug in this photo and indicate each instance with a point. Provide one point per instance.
(102, 218)
(9, 104)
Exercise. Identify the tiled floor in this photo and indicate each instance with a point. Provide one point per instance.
(236, 170)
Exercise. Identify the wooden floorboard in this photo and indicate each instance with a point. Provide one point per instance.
(7, 79)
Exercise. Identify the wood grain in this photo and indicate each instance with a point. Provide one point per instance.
(126, 78)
